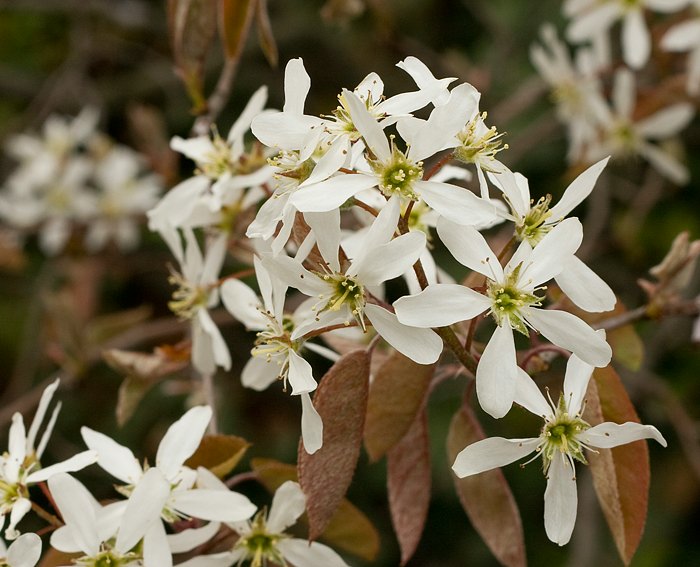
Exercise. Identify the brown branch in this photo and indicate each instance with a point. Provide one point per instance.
(218, 99)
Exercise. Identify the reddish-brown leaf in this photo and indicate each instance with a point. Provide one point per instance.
(620, 475)
(349, 529)
(395, 398)
(408, 471)
(218, 453)
(341, 401)
(486, 497)
(236, 19)
(266, 37)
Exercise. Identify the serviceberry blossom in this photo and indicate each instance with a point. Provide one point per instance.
(591, 17)
(184, 500)
(20, 465)
(564, 436)
(513, 297)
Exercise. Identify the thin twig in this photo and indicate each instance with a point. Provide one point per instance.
(218, 99)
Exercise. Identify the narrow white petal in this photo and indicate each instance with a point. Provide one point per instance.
(607, 435)
(578, 190)
(470, 249)
(74, 463)
(295, 275)
(584, 287)
(366, 125)
(388, 261)
(17, 442)
(156, 551)
(300, 374)
(491, 453)
(497, 373)
(666, 122)
(593, 23)
(570, 332)
(311, 425)
(44, 402)
(143, 509)
(296, 86)
(213, 505)
(116, 459)
(683, 36)
(667, 6)
(181, 440)
(77, 511)
(330, 162)
(624, 92)
(243, 303)
(576, 379)
(665, 163)
(242, 123)
(560, 500)
(420, 345)
(326, 229)
(223, 559)
(25, 551)
(636, 41)
(528, 395)
(547, 259)
(455, 203)
(309, 554)
(199, 149)
(258, 373)
(439, 305)
(331, 193)
(288, 504)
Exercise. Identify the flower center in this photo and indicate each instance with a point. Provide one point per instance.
(479, 144)
(344, 291)
(398, 174)
(187, 298)
(275, 343)
(260, 545)
(560, 434)
(108, 558)
(509, 301)
(291, 172)
(532, 227)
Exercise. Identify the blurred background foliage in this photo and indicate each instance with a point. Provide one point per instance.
(56, 56)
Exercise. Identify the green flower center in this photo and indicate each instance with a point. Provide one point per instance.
(187, 298)
(479, 145)
(261, 545)
(398, 175)
(560, 435)
(344, 292)
(108, 558)
(509, 301)
(532, 228)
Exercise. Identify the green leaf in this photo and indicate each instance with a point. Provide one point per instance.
(408, 475)
(486, 497)
(349, 529)
(396, 396)
(341, 401)
(620, 475)
(218, 453)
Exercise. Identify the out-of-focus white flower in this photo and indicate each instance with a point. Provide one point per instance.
(686, 37)
(25, 551)
(511, 297)
(590, 17)
(623, 136)
(183, 499)
(20, 465)
(563, 438)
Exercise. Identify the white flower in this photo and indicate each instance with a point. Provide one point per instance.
(591, 17)
(178, 444)
(342, 294)
(196, 293)
(20, 465)
(25, 551)
(276, 356)
(686, 37)
(263, 540)
(511, 297)
(624, 137)
(108, 535)
(562, 440)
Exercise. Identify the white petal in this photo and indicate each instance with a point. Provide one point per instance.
(330, 162)
(288, 504)
(311, 425)
(77, 511)
(666, 122)
(623, 94)
(74, 463)
(593, 22)
(143, 509)
(116, 459)
(516, 190)
(213, 505)
(491, 453)
(608, 434)
(455, 203)
(366, 125)
(296, 86)
(309, 554)
(560, 500)
(156, 551)
(331, 193)
(190, 538)
(439, 305)
(40, 413)
(300, 374)
(199, 149)
(181, 440)
(584, 287)
(295, 275)
(667, 6)
(547, 259)
(242, 123)
(470, 249)
(420, 345)
(683, 36)
(243, 303)
(528, 395)
(223, 559)
(570, 332)
(17, 442)
(284, 130)
(497, 373)
(20, 508)
(665, 163)
(258, 373)
(636, 41)
(25, 551)
(576, 379)
(326, 229)
(578, 190)
(388, 261)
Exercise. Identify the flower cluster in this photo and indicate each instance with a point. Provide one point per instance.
(598, 100)
(72, 178)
